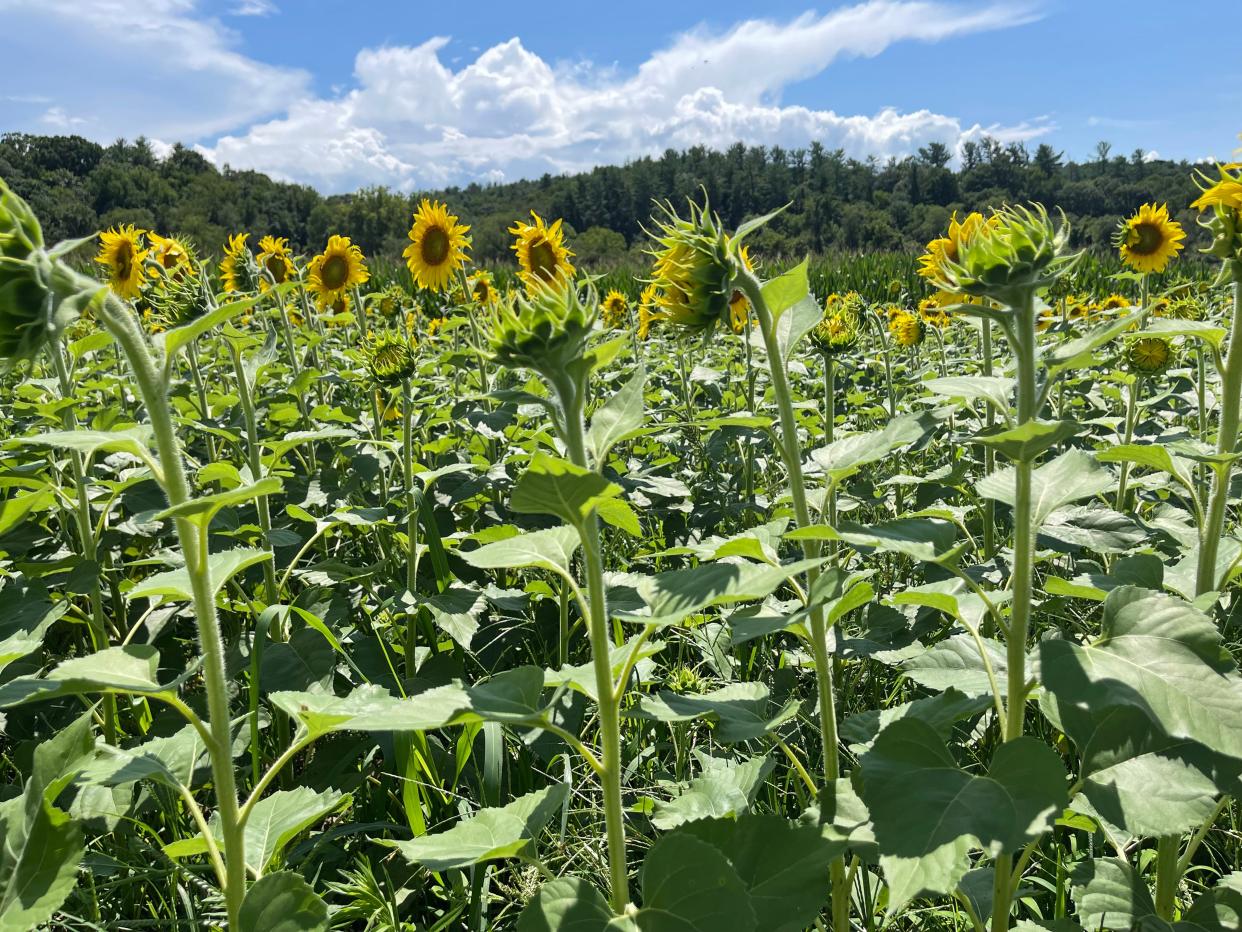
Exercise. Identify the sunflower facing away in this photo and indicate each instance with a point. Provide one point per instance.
(337, 268)
(121, 253)
(647, 313)
(275, 260)
(1149, 240)
(945, 249)
(739, 304)
(235, 269)
(438, 245)
(542, 255)
(906, 328)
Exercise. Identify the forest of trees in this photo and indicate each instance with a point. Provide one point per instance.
(78, 187)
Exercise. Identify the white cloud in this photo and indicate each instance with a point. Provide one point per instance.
(411, 121)
(119, 68)
(254, 8)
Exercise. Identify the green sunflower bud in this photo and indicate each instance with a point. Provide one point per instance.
(838, 331)
(695, 264)
(1149, 356)
(20, 233)
(390, 359)
(545, 330)
(1018, 250)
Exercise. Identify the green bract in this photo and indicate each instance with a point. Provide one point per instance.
(391, 359)
(695, 264)
(545, 330)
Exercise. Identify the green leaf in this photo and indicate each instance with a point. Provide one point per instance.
(550, 549)
(955, 663)
(793, 325)
(920, 800)
(672, 596)
(456, 612)
(280, 817)
(557, 487)
(993, 390)
(1153, 456)
(567, 904)
(723, 788)
(1109, 894)
(13, 510)
(129, 669)
(617, 417)
(171, 761)
(690, 886)
(942, 711)
(371, 708)
(282, 902)
(782, 866)
(1156, 654)
(618, 513)
(845, 456)
(487, 835)
(1026, 442)
(927, 539)
(221, 567)
(787, 289)
(1071, 476)
(174, 340)
(582, 676)
(25, 615)
(40, 847)
(200, 511)
(1079, 352)
(133, 440)
(742, 711)
(1209, 333)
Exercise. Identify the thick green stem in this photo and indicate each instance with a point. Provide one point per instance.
(129, 337)
(411, 493)
(989, 455)
(1168, 876)
(791, 450)
(1226, 442)
(571, 394)
(254, 458)
(1136, 386)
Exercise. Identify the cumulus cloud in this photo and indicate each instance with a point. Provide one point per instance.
(115, 68)
(412, 121)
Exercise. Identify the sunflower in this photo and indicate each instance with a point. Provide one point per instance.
(1227, 192)
(338, 267)
(482, 290)
(1149, 355)
(739, 304)
(647, 313)
(236, 269)
(1114, 302)
(946, 248)
(541, 252)
(614, 310)
(907, 329)
(171, 255)
(121, 252)
(438, 245)
(275, 260)
(931, 311)
(1149, 240)
(839, 330)
(390, 359)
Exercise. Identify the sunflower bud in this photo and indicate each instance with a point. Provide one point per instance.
(1016, 251)
(839, 330)
(390, 359)
(1149, 355)
(695, 264)
(39, 295)
(546, 329)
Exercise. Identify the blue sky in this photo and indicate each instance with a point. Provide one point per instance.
(416, 94)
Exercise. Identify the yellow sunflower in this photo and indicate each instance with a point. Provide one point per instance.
(1114, 302)
(542, 255)
(647, 313)
(1150, 239)
(438, 245)
(614, 310)
(171, 255)
(1227, 192)
(906, 329)
(482, 290)
(235, 269)
(945, 249)
(121, 253)
(932, 311)
(276, 260)
(739, 304)
(340, 266)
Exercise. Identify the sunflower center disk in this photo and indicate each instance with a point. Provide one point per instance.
(435, 247)
(124, 261)
(335, 273)
(1145, 238)
(543, 260)
(277, 268)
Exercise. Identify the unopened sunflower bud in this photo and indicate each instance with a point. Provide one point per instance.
(838, 331)
(545, 330)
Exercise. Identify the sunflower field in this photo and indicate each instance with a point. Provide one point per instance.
(711, 599)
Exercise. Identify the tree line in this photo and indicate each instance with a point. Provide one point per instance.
(836, 203)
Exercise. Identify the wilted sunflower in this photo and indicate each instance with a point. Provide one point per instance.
(906, 329)
(542, 256)
(438, 245)
(1149, 355)
(614, 311)
(1150, 239)
(276, 260)
(121, 253)
(238, 270)
(340, 266)
(390, 359)
(948, 247)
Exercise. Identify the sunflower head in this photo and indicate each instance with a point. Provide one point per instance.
(543, 258)
(648, 311)
(1114, 302)
(839, 330)
(170, 257)
(1220, 208)
(391, 301)
(390, 359)
(614, 310)
(482, 290)
(947, 248)
(1014, 252)
(1150, 239)
(1148, 355)
(933, 312)
(239, 270)
(545, 330)
(695, 263)
(906, 329)
(122, 254)
(39, 294)
(275, 262)
(339, 267)
(1185, 308)
(438, 245)
(176, 299)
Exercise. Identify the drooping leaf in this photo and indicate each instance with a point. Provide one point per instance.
(282, 902)
(279, 817)
(553, 486)
(221, 567)
(129, 669)
(742, 711)
(550, 549)
(723, 788)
